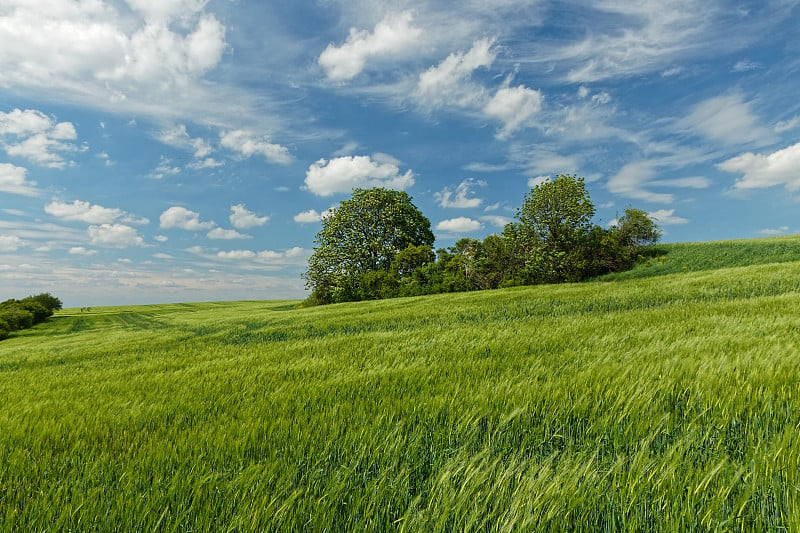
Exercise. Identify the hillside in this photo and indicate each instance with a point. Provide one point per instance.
(665, 402)
(703, 256)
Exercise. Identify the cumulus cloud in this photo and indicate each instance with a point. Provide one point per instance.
(242, 218)
(80, 250)
(458, 225)
(10, 243)
(83, 212)
(271, 258)
(182, 218)
(758, 171)
(393, 36)
(247, 144)
(226, 234)
(460, 199)
(535, 181)
(342, 174)
(178, 137)
(311, 216)
(666, 217)
(446, 83)
(13, 180)
(100, 49)
(36, 137)
(114, 236)
(513, 106)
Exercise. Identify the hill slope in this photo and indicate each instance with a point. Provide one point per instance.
(654, 403)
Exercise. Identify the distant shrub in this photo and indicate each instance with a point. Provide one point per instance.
(22, 314)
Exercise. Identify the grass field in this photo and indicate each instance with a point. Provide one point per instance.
(667, 402)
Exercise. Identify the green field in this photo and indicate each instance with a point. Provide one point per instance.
(668, 401)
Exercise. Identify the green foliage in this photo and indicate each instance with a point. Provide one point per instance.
(48, 301)
(554, 220)
(378, 245)
(364, 234)
(657, 404)
(16, 315)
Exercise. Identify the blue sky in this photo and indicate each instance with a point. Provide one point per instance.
(186, 150)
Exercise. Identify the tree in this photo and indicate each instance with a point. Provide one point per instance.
(635, 229)
(48, 301)
(554, 221)
(364, 234)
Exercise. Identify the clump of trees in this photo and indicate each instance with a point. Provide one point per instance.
(22, 314)
(378, 245)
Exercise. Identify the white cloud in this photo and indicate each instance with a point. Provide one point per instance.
(786, 125)
(781, 167)
(692, 182)
(290, 256)
(666, 217)
(226, 234)
(178, 137)
(10, 243)
(601, 98)
(164, 169)
(242, 218)
(513, 106)
(635, 180)
(24, 123)
(342, 174)
(237, 254)
(161, 238)
(535, 181)
(208, 162)
(102, 53)
(38, 137)
(458, 225)
(496, 220)
(393, 36)
(446, 83)
(182, 218)
(773, 231)
(114, 236)
(248, 144)
(745, 65)
(167, 9)
(162, 256)
(446, 199)
(80, 250)
(83, 212)
(638, 37)
(727, 119)
(311, 216)
(13, 180)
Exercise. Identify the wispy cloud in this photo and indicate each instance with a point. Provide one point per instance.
(461, 197)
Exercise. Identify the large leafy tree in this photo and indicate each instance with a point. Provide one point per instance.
(363, 235)
(554, 222)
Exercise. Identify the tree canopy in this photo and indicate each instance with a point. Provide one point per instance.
(363, 234)
(377, 244)
(22, 314)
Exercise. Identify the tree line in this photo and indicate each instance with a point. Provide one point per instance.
(377, 244)
(22, 314)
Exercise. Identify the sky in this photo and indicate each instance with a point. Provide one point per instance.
(156, 151)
